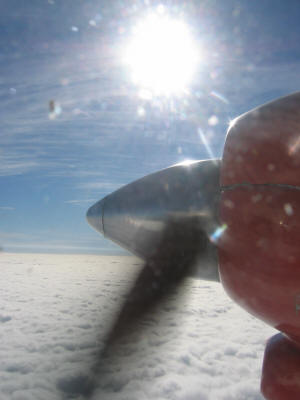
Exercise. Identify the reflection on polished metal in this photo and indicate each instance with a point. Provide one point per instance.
(138, 215)
(94, 216)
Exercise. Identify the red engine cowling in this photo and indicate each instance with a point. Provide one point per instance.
(259, 252)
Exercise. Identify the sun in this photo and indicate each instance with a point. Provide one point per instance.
(162, 55)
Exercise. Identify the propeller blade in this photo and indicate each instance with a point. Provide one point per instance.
(183, 242)
(182, 245)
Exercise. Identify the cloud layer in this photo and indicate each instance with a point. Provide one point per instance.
(55, 313)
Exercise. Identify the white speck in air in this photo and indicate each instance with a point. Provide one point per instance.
(288, 209)
(271, 167)
(141, 111)
(256, 198)
(213, 120)
(229, 204)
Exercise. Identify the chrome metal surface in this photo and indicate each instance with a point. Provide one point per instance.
(94, 216)
(137, 215)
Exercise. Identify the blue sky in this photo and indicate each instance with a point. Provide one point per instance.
(69, 51)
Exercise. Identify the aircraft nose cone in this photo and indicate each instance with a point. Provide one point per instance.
(94, 216)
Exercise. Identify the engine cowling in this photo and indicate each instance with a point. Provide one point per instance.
(259, 253)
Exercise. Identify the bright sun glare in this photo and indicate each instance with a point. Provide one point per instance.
(162, 55)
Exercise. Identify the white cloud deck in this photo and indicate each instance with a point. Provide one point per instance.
(55, 310)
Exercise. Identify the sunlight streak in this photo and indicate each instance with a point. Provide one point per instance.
(205, 142)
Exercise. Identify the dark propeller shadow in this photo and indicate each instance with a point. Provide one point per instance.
(176, 257)
(182, 243)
